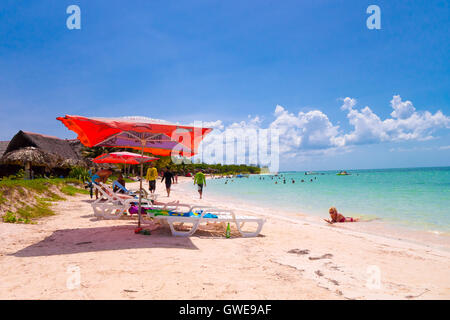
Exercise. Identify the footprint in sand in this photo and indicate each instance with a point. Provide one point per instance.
(325, 256)
(319, 273)
(298, 251)
(333, 281)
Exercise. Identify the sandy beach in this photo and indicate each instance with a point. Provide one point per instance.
(291, 259)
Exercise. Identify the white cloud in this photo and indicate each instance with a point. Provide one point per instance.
(312, 132)
(406, 123)
(402, 110)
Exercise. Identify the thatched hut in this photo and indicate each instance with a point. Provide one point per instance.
(3, 146)
(42, 153)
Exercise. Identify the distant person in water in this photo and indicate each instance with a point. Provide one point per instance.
(337, 217)
(168, 176)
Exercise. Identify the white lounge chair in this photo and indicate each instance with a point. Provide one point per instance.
(223, 215)
(116, 204)
(133, 193)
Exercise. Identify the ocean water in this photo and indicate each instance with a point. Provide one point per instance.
(417, 198)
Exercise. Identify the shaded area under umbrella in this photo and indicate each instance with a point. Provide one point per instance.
(143, 134)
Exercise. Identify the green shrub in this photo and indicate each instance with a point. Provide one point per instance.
(10, 217)
(79, 173)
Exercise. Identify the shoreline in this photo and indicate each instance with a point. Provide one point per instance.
(377, 227)
(288, 260)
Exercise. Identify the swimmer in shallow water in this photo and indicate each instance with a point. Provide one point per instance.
(337, 217)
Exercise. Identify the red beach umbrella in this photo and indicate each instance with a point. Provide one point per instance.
(155, 137)
(123, 157)
(146, 135)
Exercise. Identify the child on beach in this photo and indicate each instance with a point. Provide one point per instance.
(337, 217)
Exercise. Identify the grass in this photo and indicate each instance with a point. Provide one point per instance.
(43, 194)
(2, 198)
(41, 209)
(72, 191)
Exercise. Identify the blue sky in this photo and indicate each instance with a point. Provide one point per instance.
(225, 60)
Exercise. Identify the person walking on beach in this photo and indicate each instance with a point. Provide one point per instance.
(152, 175)
(168, 176)
(200, 180)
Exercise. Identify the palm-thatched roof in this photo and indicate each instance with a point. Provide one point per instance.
(3, 146)
(32, 155)
(36, 147)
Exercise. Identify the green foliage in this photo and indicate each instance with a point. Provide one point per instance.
(79, 173)
(94, 152)
(183, 168)
(217, 168)
(26, 212)
(71, 190)
(10, 217)
(19, 175)
(163, 162)
(41, 209)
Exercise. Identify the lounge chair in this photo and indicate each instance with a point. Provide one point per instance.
(197, 215)
(116, 204)
(130, 192)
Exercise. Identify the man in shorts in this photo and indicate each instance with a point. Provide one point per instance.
(169, 179)
(200, 180)
(152, 175)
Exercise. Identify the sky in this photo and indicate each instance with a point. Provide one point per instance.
(340, 95)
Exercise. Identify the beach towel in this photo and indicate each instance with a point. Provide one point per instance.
(196, 213)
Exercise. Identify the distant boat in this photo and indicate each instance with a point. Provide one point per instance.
(343, 173)
(310, 173)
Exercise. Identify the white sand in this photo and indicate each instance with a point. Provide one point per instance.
(37, 261)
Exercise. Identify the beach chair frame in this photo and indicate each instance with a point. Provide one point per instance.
(115, 205)
(223, 215)
(131, 192)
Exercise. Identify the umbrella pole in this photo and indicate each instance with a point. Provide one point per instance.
(140, 187)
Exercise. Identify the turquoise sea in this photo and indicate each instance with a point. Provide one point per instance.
(417, 198)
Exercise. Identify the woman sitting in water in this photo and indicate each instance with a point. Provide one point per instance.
(337, 217)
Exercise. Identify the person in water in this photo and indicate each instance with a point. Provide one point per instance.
(337, 217)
